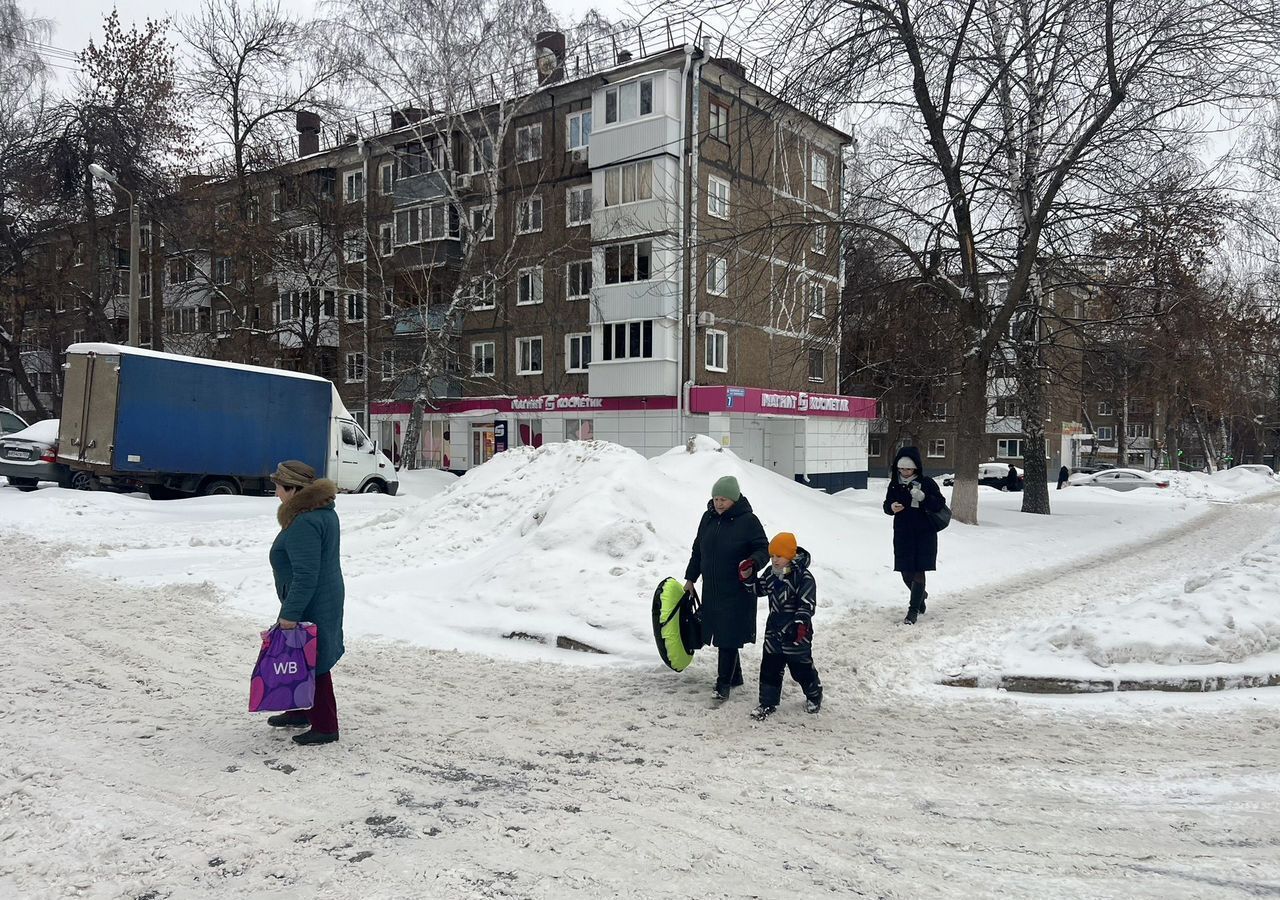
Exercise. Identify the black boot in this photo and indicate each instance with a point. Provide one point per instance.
(289, 720)
(917, 602)
(923, 597)
(315, 737)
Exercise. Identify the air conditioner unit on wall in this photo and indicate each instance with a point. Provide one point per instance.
(579, 156)
(462, 182)
(706, 319)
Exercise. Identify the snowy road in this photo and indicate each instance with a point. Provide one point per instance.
(127, 769)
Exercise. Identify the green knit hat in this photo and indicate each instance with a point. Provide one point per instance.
(727, 487)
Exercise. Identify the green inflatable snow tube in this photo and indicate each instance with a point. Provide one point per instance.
(676, 627)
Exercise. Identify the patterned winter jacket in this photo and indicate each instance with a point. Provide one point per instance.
(793, 598)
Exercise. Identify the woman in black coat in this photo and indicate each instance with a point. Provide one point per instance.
(910, 499)
(728, 551)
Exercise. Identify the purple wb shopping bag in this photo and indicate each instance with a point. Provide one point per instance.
(284, 677)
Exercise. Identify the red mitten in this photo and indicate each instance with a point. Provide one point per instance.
(746, 571)
(803, 632)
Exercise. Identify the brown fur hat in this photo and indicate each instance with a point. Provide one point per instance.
(317, 495)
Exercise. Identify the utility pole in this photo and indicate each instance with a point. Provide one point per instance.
(135, 280)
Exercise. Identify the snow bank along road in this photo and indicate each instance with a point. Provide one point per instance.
(129, 770)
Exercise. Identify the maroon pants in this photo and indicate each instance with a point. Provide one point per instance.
(324, 714)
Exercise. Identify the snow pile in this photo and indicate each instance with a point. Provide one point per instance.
(1226, 486)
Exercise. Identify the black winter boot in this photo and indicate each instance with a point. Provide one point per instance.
(315, 737)
(289, 720)
(917, 603)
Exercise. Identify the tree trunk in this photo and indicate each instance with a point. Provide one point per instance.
(412, 434)
(1035, 484)
(971, 429)
(1122, 432)
(1205, 444)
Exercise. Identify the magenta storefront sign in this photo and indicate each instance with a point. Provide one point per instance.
(759, 401)
(546, 403)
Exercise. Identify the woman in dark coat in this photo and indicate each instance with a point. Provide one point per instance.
(308, 574)
(910, 498)
(728, 551)
(1064, 475)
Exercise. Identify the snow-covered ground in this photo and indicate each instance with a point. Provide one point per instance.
(475, 766)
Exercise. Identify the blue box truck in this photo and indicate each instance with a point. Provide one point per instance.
(181, 426)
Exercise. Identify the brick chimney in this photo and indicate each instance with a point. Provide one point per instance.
(549, 56)
(308, 124)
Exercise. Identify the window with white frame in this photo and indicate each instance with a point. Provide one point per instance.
(529, 142)
(875, 446)
(353, 248)
(817, 364)
(388, 364)
(387, 178)
(625, 263)
(578, 280)
(819, 244)
(578, 205)
(717, 197)
(483, 291)
(483, 358)
(529, 215)
(718, 121)
(816, 296)
(222, 269)
(277, 205)
(224, 323)
(938, 412)
(818, 170)
(717, 275)
(329, 303)
(578, 130)
(717, 351)
(937, 448)
(482, 222)
(1106, 432)
(1137, 430)
(426, 223)
(627, 340)
(1008, 408)
(529, 356)
(1104, 408)
(529, 286)
(386, 239)
(628, 183)
(628, 101)
(355, 367)
(77, 257)
(1010, 448)
(353, 185)
(355, 307)
(577, 352)
(144, 282)
(480, 154)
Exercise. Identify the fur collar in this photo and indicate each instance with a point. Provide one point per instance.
(317, 495)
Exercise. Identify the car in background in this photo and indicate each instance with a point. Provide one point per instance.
(30, 456)
(1092, 469)
(1120, 480)
(991, 474)
(1266, 471)
(10, 421)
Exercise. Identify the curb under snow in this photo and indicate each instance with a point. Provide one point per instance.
(1040, 684)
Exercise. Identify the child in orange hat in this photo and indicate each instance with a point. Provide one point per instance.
(788, 632)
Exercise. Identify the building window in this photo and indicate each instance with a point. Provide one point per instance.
(717, 347)
(1104, 408)
(529, 356)
(353, 185)
(483, 292)
(329, 303)
(386, 239)
(1106, 432)
(529, 286)
(578, 205)
(426, 223)
(1138, 430)
(144, 283)
(529, 215)
(578, 280)
(818, 170)
(277, 205)
(717, 197)
(579, 130)
(1008, 408)
(222, 270)
(577, 354)
(353, 246)
(224, 323)
(937, 448)
(938, 412)
(819, 244)
(817, 365)
(387, 178)
(480, 155)
(355, 367)
(77, 258)
(628, 101)
(718, 124)
(579, 430)
(628, 183)
(483, 362)
(874, 446)
(1009, 448)
(529, 142)
(625, 263)
(181, 271)
(77, 336)
(482, 222)
(628, 340)
(388, 364)
(817, 297)
(355, 307)
(717, 275)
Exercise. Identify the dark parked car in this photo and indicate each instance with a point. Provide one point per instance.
(30, 456)
(10, 421)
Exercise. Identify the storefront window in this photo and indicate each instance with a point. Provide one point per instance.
(531, 433)
(578, 430)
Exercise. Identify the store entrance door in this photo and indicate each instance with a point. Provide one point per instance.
(481, 443)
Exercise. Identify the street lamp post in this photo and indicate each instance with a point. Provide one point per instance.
(135, 282)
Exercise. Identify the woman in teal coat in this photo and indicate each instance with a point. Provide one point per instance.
(308, 573)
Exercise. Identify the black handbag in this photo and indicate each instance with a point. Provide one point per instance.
(940, 519)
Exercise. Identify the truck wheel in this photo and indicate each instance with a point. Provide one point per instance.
(81, 481)
(220, 487)
(374, 487)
